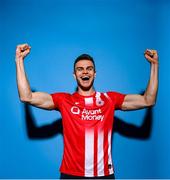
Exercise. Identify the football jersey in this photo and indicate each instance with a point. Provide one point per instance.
(87, 132)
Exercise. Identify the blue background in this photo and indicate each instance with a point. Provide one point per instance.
(115, 33)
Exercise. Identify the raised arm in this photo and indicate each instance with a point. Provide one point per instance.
(136, 101)
(38, 99)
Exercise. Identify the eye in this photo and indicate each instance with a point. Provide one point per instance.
(91, 68)
(79, 69)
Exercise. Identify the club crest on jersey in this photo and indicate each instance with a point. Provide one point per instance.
(99, 102)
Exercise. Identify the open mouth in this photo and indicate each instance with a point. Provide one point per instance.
(85, 78)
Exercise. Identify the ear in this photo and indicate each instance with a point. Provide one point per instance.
(94, 74)
(74, 75)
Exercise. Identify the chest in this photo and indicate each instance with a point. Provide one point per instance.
(90, 111)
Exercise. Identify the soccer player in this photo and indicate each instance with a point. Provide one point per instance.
(87, 115)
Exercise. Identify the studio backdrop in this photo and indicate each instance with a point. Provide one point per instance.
(115, 33)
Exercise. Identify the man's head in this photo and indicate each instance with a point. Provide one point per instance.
(84, 57)
(84, 71)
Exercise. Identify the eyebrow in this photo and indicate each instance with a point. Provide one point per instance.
(85, 67)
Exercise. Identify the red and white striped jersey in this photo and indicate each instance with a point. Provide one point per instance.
(87, 131)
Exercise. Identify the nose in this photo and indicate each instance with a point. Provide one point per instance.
(85, 71)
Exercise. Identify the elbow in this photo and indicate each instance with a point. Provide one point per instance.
(150, 100)
(24, 99)
(150, 103)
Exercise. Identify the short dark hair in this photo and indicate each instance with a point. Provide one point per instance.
(84, 57)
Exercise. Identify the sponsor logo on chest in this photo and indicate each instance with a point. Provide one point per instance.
(86, 114)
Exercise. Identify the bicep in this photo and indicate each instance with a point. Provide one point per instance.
(134, 102)
(42, 100)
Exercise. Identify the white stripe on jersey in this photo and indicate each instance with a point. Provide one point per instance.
(106, 95)
(89, 153)
(88, 101)
(100, 154)
(109, 153)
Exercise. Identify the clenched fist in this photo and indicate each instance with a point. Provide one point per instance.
(151, 56)
(22, 51)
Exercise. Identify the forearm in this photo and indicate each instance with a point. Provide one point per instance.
(24, 90)
(151, 91)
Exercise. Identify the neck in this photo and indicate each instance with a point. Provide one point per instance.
(86, 92)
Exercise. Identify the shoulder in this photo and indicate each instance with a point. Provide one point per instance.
(58, 98)
(114, 93)
(60, 95)
(116, 96)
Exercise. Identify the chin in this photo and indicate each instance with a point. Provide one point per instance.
(85, 88)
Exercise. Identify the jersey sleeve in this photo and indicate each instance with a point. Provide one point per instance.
(117, 99)
(58, 99)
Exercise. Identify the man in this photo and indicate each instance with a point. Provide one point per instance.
(87, 115)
